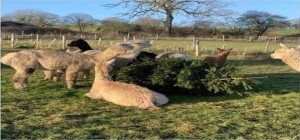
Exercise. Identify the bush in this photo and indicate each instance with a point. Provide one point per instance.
(180, 76)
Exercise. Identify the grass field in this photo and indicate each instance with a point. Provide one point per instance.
(48, 110)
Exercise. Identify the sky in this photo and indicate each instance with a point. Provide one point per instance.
(287, 8)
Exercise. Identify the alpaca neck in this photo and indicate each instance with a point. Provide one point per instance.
(85, 47)
(102, 77)
(104, 56)
(221, 59)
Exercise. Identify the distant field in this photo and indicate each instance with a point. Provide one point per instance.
(206, 47)
(48, 110)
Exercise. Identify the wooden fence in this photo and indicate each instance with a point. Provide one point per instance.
(193, 49)
(5, 36)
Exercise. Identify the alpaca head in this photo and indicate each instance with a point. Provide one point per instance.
(81, 44)
(102, 69)
(141, 44)
(223, 52)
(280, 52)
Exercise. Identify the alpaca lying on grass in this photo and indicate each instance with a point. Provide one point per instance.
(122, 93)
(172, 55)
(290, 56)
(220, 60)
(26, 61)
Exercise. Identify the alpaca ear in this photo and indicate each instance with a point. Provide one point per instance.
(219, 49)
(110, 62)
(230, 49)
(283, 46)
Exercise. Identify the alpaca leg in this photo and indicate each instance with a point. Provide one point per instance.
(20, 79)
(48, 74)
(147, 105)
(57, 75)
(86, 74)
(92, 95)
(71, 74)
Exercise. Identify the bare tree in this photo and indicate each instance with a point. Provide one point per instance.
(79, 19)
(45, 19)
(36, 17)
(169, 8)
(7, 18)
(147, 21)
(260, 22)
(25, 16)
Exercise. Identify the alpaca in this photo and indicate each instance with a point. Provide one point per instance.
(136, 46)
(220, 60)
(172, 55)
(26, 61)
(290, 56)
(121, 60)
(122, 93)
(84, 48)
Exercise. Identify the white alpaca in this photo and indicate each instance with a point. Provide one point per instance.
(122, 93)
(172, 55)
(290, 56)
(136, 47)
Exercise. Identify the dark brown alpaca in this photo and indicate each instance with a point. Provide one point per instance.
(219, 60)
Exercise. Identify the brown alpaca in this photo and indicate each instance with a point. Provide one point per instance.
(122, 93)
(220, 60)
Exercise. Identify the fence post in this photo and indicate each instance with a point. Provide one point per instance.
(213, 52)
(194, 43)
(244, 53)
(275, 39)
(37, 41)
(125, 39)
(95, 36)
(223, 37)
(156, 36)
(99, 41)
(250, 39)
(12, 40)
(63, 42)
(22, 33)
(128, 36)
(197, 47)
(267, 46)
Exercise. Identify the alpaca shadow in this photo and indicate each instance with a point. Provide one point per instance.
(179, 99)
(277, 83)
(256, 62)
(3, 66)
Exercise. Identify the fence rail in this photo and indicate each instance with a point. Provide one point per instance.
(5, 36)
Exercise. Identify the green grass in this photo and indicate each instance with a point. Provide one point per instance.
(51, 111)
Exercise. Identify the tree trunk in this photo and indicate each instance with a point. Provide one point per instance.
(168, 24)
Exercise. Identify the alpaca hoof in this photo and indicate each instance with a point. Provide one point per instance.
(87, 95)
(20, 86)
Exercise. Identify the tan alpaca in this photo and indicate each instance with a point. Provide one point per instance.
(26, 61)
(220, 60)
(290, 56)
(122, 93)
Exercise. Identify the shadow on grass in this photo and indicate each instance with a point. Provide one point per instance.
(277, 83)
(256, 62)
